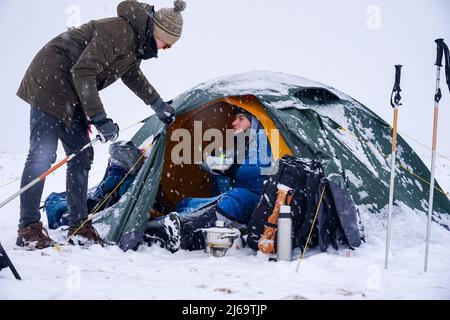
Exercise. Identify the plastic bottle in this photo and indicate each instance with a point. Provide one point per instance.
(284, 234)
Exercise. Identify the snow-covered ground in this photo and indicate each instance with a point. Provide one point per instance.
(153, 273)
(366, 39)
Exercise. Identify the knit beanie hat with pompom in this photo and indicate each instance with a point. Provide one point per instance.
(168, 23)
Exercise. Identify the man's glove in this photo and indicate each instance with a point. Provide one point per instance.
(106, 128)
(163, 111)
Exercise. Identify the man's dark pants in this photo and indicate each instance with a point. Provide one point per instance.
(45, 131)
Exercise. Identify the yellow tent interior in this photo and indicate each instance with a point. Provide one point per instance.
(188, 180)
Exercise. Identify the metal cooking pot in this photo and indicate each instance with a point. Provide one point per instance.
(218, 239)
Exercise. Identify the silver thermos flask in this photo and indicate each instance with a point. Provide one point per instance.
(284, 234)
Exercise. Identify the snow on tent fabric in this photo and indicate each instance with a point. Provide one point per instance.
(314, 121)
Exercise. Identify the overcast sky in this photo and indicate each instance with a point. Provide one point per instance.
(350, 45)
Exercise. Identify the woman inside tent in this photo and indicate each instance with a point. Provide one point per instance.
(251, 156)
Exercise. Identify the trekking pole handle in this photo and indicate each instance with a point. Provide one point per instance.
(398, 73)
(395, 95)
(447, 63)
(439, 51)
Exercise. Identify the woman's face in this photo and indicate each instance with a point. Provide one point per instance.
(240, 123)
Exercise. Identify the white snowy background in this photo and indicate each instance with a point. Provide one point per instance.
(350, 45)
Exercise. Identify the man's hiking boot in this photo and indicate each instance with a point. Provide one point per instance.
(35, 236)
(165, 232)
(85, 235)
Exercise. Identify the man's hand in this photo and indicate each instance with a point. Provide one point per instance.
(106, 128)
(163, 111)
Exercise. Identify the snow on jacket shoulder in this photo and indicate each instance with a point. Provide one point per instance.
(70, 70)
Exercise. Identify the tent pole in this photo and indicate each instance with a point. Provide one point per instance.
(395, 103)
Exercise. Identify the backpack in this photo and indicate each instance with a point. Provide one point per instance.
(336, 217)
(123, 156)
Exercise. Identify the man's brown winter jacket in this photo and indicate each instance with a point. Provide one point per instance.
(71, 69)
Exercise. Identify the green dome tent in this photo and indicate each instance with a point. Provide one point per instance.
(314, 121)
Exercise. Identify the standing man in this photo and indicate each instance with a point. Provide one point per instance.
(61, 85)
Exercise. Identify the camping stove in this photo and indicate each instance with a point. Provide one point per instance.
(219, 239)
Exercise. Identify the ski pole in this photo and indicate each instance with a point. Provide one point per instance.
(441, 49)
(395, 103)
(123, 130)
(58, 165)
(49, 171)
